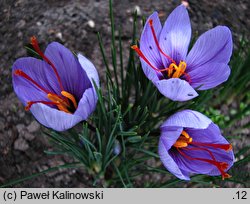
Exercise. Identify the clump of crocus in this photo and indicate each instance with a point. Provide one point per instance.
(166, 62)
(191, 143)
(58, 89)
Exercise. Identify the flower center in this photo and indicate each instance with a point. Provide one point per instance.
(65, 102)
(173, 71)
(185, 140)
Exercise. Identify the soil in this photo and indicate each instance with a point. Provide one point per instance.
(75, 24)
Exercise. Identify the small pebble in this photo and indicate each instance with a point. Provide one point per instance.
(138, 10)
(91, 23)
(20, 127)
(28, 136)
(20, 24)
(38, 23)
(33, 127)
(59, 35)
(21, 145)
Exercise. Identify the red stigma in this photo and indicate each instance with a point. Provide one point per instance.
(226, 147)
(30, 103)
(157, 43)
(35, 45)
(139, 52)
(221, 166)
(19, 72)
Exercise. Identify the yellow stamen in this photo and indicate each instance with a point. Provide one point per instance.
(61, 104)
(179, 70)
(183, 140)
(70, 97)
(180, 144)
(57, 99)
(185, 134)
(171, 69)
(63, 108)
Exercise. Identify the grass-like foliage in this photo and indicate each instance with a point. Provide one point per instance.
(117, 146)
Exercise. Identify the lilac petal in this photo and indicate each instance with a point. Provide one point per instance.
(209, 75)
(211, 134)
(147, 42)
(176, 89)
(214, 46)
(87, 104)
(168, 161)
(73, 76)
(150, 73)
(187, 119)
(26, 94)
(89, 69)
(40, 72)
(175, 35)
(53, 118)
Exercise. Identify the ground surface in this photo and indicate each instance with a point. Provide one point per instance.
(75, 23)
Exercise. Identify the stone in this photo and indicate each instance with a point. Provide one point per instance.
(20, 24)
(33, 127)
(28, 136)
(21, 145)
(91, 23)
(59, 35)
(138, 10)
(20, 127)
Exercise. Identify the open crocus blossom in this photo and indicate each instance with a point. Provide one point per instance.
(191, 143)
(59, 89)
(166, 62)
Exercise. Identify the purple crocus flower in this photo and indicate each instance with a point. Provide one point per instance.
(191, 143)
(59, 89)
(166, 62)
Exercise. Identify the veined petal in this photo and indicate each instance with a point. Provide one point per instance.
(211, 134)
(89, 69)
(175, 35)
(209, 75)
(53, 118)
(150, 73)
(168, 161)
(40, 72)
(87, 104)
(187, 119)
(147, 42)
(176, 89)
(214, 46)
(73, 76)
